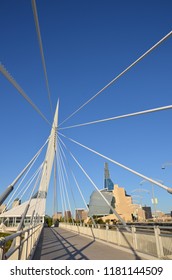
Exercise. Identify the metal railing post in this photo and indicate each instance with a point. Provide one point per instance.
(118, 237)
(107, 231)
(2, 245)
(1, 253)
(18, 243)
(25, 247)
(158, 240)
(134, 237)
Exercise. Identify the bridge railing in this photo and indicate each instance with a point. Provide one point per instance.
(154, 241)
(23, 244)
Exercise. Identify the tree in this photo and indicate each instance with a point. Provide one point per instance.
(48, 220)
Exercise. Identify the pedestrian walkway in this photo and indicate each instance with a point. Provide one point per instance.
(60, 244)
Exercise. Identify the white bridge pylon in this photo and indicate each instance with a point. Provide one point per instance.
(37, 205)
(49, 158)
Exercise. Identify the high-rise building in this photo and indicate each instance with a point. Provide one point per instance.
(108, 184)
(148, 212)
(97, 205)
(117, 198)
(68, 214)
(57, 216)
(81, 214)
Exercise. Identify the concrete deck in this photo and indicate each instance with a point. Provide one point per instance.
(60, 244)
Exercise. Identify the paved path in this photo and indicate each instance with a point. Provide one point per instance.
(60, 244)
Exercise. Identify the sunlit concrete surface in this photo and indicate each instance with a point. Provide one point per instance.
(60, 244)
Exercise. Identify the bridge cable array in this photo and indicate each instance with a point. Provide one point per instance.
(72, 173)
(21, 91)
(115, 118)
(120, 117)
(119, 164)
(20, 192)
(94, 185)
(64, 191)
(118, 76)
(41, 51)
(64, 158)
(64, 169)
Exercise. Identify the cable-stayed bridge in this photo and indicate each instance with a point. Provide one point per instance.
(31, 239)
(26, 220)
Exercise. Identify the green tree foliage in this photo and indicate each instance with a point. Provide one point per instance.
(48, 220)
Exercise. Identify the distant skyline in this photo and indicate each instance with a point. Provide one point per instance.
(86, 45)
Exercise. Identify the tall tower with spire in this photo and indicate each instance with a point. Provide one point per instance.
(108, 184)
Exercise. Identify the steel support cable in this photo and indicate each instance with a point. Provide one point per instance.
(118, 76)
(34, 187)
(89, 178)
(65, 172)
(74, 177)
(9, 202)
(24, 189)
(65, 185)
(119, 164)
(70, 169)
(28, 204)
(60, 184)
(38, 175)
(62, 164)
(38, 199)
(41, 51)
(10, 188)
(120, 117)
(64, 157)
(55, 185)
(30, 162)
(63, 193)
(76, 182)
(21, 91)
(34, 213)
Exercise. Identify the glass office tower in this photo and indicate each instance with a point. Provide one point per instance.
(108, 184)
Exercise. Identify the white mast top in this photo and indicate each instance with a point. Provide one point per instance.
(49, 158)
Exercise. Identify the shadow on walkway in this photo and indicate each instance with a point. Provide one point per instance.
(54, 246)
(60, 244)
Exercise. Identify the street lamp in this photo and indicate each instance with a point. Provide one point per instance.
(141, 197)
(137, 196)
(154, 199)
(140, 191)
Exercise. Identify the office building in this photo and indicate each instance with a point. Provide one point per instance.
(81, 214)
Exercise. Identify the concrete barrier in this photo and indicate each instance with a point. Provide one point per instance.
(151, 242)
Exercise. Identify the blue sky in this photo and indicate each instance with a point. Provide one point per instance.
(87, 44)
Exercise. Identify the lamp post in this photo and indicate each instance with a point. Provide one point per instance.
(141, 197)
(154, 199)
(137, 196)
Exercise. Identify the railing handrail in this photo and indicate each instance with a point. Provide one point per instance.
(16, 234)
(131, 225)
(30, 230)
(159, 249)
